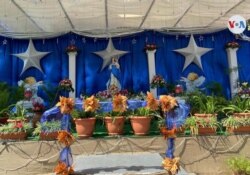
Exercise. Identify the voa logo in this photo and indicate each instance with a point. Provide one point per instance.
(236, 24)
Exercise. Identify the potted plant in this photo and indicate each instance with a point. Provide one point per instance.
(47, 130)
(18, 115)
(202, 126)
(238, 107)
(141, 117)
(14, 131)
(239, 165)
(85, 119)
(114, 120)
(236, 124)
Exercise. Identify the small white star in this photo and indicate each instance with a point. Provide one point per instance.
(5, 42)
(133, 41)
(192, 53)
(31, 57)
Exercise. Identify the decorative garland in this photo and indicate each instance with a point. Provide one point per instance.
(64, 166)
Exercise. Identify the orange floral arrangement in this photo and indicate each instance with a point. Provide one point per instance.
(66, 105)
(152, 103)
(62, 169)
(65, 138)
(167, 103)
(119, 103)
(91, 104)
(171, 165)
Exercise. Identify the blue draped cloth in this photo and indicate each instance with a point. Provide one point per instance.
(116, 72)
(89, 78)
(66, 156)
(175, 118)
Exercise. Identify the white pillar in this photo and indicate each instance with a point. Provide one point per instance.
(233, 69)
(151, 68)
(72, 72)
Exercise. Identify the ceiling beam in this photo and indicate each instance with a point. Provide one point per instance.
(229, 10)
(32, 20)
(185, 12)
(67, 16)
(147, 13)
(106, 15)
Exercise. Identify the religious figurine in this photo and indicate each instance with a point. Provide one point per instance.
(193, 81)
(30, 93)
(115, 75)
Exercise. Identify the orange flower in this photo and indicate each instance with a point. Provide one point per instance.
(65, 138)
(66, 105)
(167, 102)
(62, 169)
(171, 165)
(119, 103)
(91, 104)
(152, 103)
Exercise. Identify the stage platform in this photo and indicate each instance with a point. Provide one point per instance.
(203, 155)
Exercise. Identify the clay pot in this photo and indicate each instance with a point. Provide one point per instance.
(85, 127)
(140, 124)
(115, 125)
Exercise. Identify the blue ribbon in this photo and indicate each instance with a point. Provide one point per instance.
(66, 156)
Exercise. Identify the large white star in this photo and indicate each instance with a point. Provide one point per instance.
(31, 57)
(109, 53)
(192, 53)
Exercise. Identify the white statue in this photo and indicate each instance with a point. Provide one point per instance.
(115, 74)
(193, 81)
(30, 93)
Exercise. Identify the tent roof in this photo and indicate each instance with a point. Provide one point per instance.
(40, 18)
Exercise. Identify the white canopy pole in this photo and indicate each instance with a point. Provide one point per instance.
(233, 74)
(151, 68)
(72, 72)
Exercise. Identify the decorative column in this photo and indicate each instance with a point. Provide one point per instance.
(233, 69)
(72, 72)
(151, 68)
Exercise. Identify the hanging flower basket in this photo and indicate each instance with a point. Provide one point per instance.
(150, 47)
(232, 45)
(71, 48)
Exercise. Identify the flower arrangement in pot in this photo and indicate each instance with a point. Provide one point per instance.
(14, 131)
(141, 117)
(85, 119)
(114, 120)
(236, 124)
(48, 130)
(18, 115)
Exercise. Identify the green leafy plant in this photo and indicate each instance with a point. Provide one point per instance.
(200, 103)
(235, 122)
(239, 165)
(237, 105)
(78, 114)
(15, 127)
(19, 114)
(47, 127)
(194, 123)
(142, 112)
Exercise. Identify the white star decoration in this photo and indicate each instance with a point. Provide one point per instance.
(192, 53)
(109, 53)
(31, 57)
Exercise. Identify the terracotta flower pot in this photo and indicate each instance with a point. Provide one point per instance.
(115, 125)
(48, 135)
(241, 129)
(140, 124)
(241, 114)
(206, 131)
(85, 127)
(13, 136)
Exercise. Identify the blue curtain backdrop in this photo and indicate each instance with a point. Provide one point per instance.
(134, 66)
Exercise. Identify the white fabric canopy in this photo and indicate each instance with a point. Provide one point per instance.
(104, 18)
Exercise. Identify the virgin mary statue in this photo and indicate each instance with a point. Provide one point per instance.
(115, 74)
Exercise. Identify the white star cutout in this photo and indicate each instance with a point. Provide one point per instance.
(109, 53)
(5, 42)
(192, 53)
(31, 57)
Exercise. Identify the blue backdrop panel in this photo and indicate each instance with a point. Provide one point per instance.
(134, 67)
